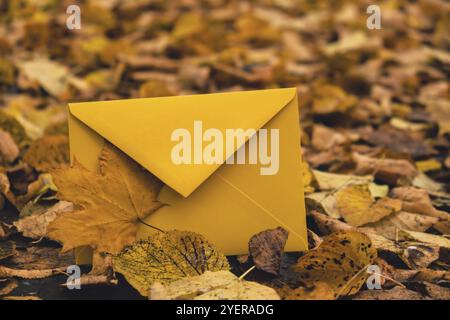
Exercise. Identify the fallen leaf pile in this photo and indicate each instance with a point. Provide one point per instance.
(375, 109)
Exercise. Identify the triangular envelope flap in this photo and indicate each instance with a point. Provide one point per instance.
(142, 128)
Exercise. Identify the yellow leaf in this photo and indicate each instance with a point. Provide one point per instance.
(356, 205)
(353, 41)
(33, 120)
(166, 257)
(340, 261)
(424, 237)
(50, 75)
(330, 181)
(9, 124)
(428, 165)
(330, 98)
(440, 112)
(219, 285)
(6, 72)
(187, 25)
(154, 88)
(307, 177)
(48, 152)
(112, 203)
(321, 291)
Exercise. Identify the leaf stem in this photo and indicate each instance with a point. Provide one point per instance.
(149, 225)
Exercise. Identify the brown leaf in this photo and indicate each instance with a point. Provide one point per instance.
(390, 171)
(40, 258)
(447, 162)
(400, 141)
(439, 111)
(397, 293)
(418, 255)
(389, 226)
(6, 272)
(8, 148)
(327, 224)
(7, 249)
(313, 240)
(418, 201)
(4, 230)
(436, 292)
(323, 138)
(8, 287)
(35, 225)
(266, 249)
(428, 275)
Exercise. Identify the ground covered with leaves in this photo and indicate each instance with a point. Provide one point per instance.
(375, 113)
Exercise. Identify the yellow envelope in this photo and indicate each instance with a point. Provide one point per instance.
(226, 203)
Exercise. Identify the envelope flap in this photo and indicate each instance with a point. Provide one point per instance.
(142, 128)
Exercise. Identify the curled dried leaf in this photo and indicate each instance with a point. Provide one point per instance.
(266, 249)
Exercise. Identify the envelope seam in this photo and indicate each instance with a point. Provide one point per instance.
(243, 193)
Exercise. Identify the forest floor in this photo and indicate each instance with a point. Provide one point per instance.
(375, 121)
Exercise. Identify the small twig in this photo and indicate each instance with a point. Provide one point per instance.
(389, 278)
(30, 274)
(246, 273)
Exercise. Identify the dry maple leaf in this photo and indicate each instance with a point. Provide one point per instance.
(340, 261)
(356, 205)
(113, 203)
(166, 257)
